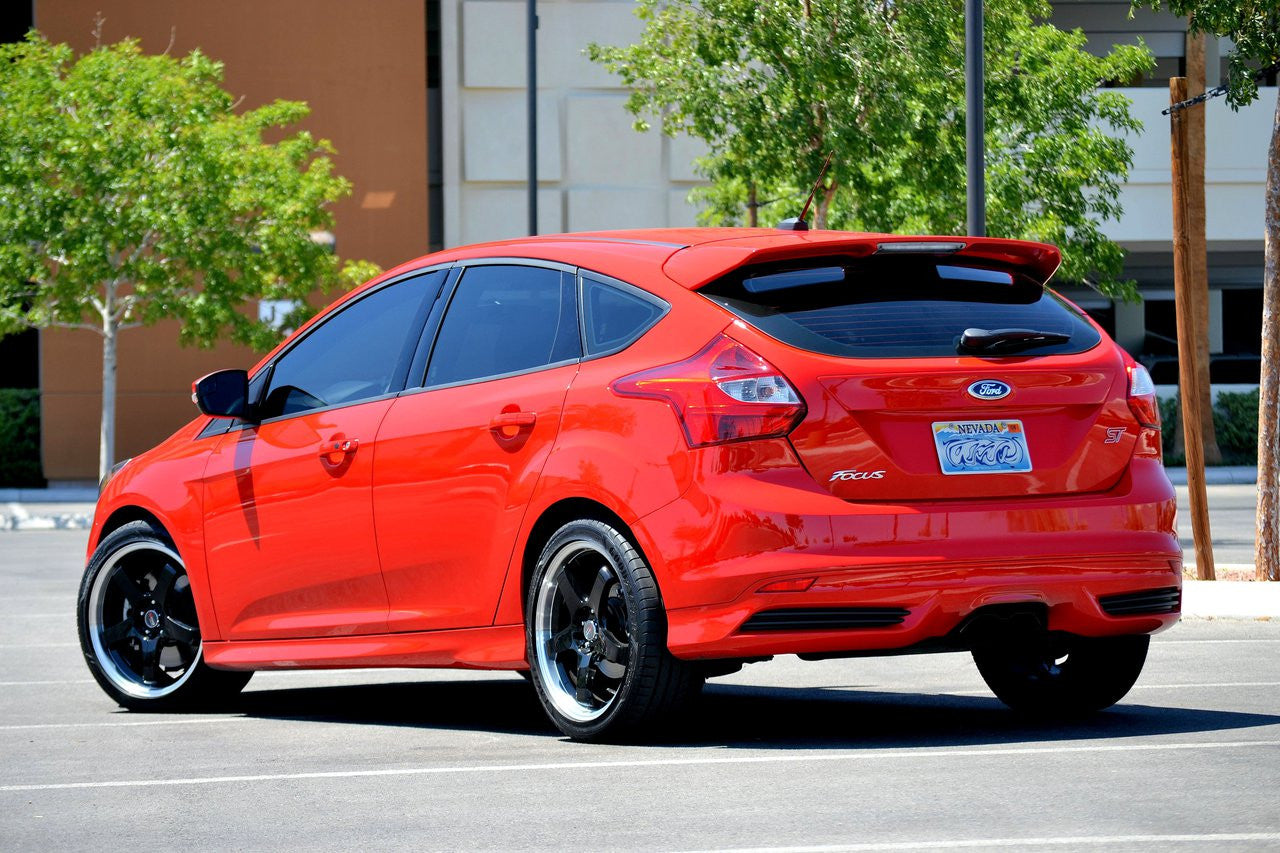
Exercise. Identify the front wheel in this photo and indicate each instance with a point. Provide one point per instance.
(596, 635)
(1060, 675)
(138, 625)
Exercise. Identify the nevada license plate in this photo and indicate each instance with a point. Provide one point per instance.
(982, 447)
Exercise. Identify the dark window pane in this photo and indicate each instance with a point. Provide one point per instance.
(353, 355)
(506, 319)
(615, 318)
(900, 308)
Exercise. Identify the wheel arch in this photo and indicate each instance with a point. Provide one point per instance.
(124, 515)
(552, 519)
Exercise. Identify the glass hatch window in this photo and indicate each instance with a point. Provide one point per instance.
(901, 308)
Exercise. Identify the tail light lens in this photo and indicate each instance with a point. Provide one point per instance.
(1142, 397)
(724, 393)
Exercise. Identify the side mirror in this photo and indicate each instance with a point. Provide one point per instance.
(222, 394)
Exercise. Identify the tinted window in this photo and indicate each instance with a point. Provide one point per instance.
(615, 317)
(897, 307)
(506, 319)
(353, 355)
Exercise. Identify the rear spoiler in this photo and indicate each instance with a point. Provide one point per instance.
(699, 265)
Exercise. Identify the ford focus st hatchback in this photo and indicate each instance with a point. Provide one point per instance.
(625, 462)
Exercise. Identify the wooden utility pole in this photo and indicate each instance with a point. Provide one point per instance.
(1194, 119)
(1186, 305)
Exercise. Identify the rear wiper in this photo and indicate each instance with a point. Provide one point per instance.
(1006, 340)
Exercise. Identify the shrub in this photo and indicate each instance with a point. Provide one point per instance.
(1235, 417)
(20, 438)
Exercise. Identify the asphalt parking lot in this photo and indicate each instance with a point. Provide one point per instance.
(871, 754)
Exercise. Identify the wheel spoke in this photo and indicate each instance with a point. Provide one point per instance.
(562, 641)
(131, 590)
(603, 578)
(583, 687)
(180, 632)
(151, 672)
(571, 597)
(117, 633)
(165, 580)
(613, 651)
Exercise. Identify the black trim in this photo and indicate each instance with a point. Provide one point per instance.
(825, 618)
(1166, 599)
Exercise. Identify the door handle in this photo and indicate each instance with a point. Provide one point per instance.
(336, 446)
(507, 420)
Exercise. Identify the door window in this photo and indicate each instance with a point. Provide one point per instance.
(506, 319)
(357, 354)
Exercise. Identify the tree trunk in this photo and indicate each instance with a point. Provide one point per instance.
(1267, 544)
(1199, 267)
(107, 433)
(753, 207)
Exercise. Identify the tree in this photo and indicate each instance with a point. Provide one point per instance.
(132, 191)
(772, 86)
(1255, 29)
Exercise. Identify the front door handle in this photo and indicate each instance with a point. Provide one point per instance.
(507, 420)
(339, 446)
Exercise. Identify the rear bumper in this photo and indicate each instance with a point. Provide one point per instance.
(715, 547)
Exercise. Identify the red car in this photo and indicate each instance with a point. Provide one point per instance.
(628, 461)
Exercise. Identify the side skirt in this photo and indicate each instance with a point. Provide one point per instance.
(499, 647)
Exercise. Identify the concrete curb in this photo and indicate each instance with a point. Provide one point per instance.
(1219, 476)
(54, 495)
(1230, 600)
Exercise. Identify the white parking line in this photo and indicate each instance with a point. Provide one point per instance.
(823, 757)
(41, 683)
(1056, 841)
(121, 725)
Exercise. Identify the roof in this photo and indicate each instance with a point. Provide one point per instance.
(693, 257)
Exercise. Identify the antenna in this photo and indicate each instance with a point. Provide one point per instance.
(799, 223)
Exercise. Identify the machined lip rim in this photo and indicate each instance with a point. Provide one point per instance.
(559, 689)
(127, 682)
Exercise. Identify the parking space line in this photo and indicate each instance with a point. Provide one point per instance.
(1207, 642)
(824, 757)
(123, 725)
(41, 683)
(1145, 687)
(1054, 841)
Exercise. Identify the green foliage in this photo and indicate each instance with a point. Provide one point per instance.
(1254, 27)
(1235, 422)
(20, 438)
(131, 191)
(772, 86)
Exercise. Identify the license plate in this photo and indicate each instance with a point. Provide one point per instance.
(982, 447)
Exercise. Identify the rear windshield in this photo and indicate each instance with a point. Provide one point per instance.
(898, 307)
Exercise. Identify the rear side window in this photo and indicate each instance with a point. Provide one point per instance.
(616, 315)
(506, 319)
(900, 308)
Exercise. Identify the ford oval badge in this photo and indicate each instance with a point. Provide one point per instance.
(989, 389)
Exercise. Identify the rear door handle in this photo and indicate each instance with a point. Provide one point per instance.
(337, 446)
(506, 420)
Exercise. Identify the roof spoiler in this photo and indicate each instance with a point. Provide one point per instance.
(701, 264)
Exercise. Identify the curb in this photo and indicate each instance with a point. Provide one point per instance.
(1258, 600)
(1218, 476)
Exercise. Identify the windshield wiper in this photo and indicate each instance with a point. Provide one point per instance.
(996, 341)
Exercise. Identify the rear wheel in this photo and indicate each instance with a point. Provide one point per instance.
(138, 625)
(596, 632)
(1058, 675)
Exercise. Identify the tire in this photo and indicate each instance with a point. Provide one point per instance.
(1063, 675)
(596, 633)
(138, 626)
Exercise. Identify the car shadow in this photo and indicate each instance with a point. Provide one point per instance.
(743, 716)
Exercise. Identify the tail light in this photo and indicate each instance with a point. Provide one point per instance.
(1142, 397)
(724, 393)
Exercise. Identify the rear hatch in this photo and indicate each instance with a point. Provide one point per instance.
(903, 405)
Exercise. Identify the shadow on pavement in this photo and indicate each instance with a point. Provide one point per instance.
(744, 717)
